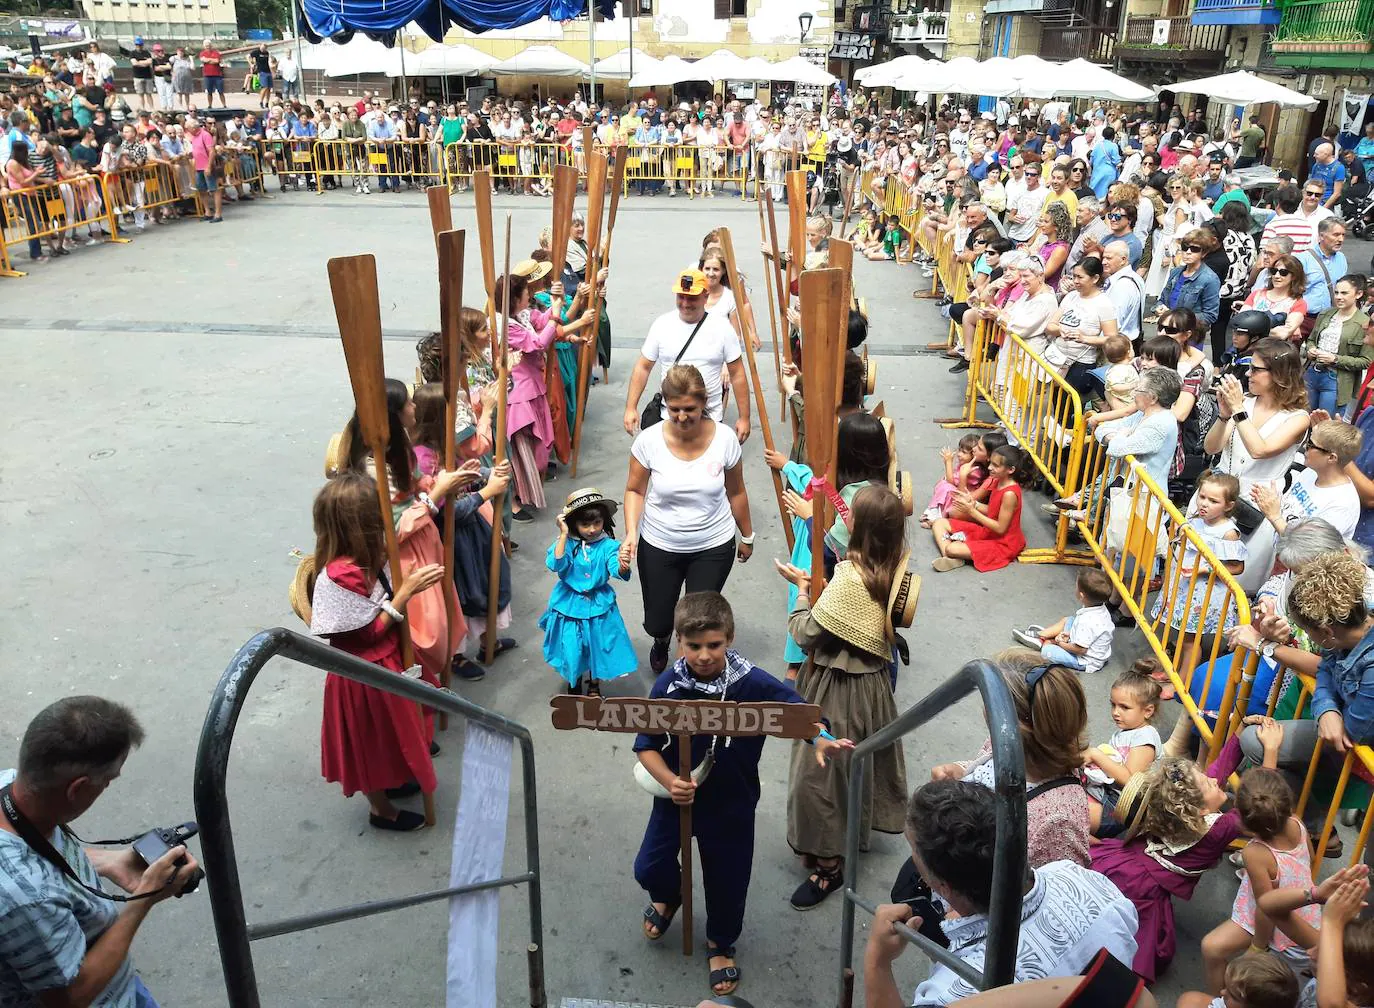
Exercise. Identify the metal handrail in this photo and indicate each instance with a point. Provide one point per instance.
(1009, 857)
(232, 931)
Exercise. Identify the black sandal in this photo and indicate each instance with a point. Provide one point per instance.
(660, 922)
(820, 884)
(725, 975)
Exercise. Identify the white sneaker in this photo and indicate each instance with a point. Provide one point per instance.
(300, 183)
(1030, 637)
(92, 241)
(140, 228)
(367, 191)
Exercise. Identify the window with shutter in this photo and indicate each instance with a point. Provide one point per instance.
(722, 10)
(739, 8)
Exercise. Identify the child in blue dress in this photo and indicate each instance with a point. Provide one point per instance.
(584, 634)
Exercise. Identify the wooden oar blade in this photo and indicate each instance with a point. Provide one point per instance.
(452, 245)
(440, 210)
(822, 309)
(796, 216)
(617, 184)
(353, 284)
(596, 198)
(564, 195)
(481, 191)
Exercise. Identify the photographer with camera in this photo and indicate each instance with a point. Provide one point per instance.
(63, 942)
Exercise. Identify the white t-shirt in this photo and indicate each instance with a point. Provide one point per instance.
(721, 308)
(1122, 742)
(1339, 505)
(1028, 203)
(1092, 629)
(1084, 317)
(716, 344)
(686, 508)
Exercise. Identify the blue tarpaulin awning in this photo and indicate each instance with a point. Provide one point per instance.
(381, 19)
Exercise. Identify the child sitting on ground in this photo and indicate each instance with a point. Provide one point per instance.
(1253, 980)
(965, 469)
(1082, 641)
(1279, 857)
(1173, 832)
(893, 240)
(1344, 946)
(1131, 750)
(724, 800)
(988, 535)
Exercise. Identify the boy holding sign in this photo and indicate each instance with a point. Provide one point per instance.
(724, 787)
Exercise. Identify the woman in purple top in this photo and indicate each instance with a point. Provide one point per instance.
(529, 424)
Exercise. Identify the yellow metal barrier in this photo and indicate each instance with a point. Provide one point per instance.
(390, 162)
(53, 211)
(1358, 762)
(153, 187)
(697, 170)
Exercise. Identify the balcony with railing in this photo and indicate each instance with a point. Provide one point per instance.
(928, 27)
(1173, 40)
(1334, 33)
(1235, 12)
(1089, 42)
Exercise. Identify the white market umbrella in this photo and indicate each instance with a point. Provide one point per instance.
(361, 55)
(662, 73)
(617, 66)
(1242, 88)
(801, 71)
(759, 69)
(446, 60)
(1080, 79)
(882, 74)
(720, 65)
(542, 61)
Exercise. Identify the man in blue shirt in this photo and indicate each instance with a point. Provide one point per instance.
(1215, 185)
(380, 134)
(1327, 169)
(1323, 264)
(60, 941)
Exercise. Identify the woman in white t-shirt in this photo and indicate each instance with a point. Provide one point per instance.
(1085, 320)
(684, 500)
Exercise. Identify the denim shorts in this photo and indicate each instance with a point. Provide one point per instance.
(214, 85)
(206, 181)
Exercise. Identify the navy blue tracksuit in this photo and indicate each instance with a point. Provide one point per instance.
(722, 815)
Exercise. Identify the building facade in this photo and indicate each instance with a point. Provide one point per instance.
(164, 20)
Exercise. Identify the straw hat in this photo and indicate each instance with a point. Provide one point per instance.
(588, 497)
(299, 592)
(1130, 806)
(870, 376)
(334, 459)
(901, 600)
(848, 611)
(531, 269)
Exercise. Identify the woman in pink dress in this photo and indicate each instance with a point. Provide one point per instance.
(529, 424)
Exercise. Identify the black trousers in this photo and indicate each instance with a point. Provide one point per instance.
(662, 576)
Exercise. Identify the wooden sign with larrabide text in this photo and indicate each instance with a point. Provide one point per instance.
(685, 717)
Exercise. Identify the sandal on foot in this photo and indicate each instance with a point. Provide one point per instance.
(504, 644)
(660, 922)
(723, 981)
(945, 563)
(820, 884)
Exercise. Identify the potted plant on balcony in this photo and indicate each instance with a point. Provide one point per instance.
(935, 22)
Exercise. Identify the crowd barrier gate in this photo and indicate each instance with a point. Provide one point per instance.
(232, 930)
(55, 209)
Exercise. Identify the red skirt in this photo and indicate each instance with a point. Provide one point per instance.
(371, 740)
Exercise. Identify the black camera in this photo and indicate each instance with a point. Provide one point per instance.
(155, 843)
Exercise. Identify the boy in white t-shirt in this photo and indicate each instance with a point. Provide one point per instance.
(1322, 490)
(1082, 641)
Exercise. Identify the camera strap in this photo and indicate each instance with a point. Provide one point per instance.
(43, 847)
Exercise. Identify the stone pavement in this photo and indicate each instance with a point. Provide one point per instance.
(167, 407)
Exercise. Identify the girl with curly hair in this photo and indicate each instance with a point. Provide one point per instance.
(1174, 831)
(1051, 243)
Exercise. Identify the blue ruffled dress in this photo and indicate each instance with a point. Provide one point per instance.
(584, 633)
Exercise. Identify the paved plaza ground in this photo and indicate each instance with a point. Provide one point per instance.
(167, 406)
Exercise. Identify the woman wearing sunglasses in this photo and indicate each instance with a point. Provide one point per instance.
(1281, 296)
(1191, 284)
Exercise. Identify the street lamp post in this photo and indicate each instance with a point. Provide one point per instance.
(804, 20)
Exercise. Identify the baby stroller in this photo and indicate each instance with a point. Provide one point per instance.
(1358, 212)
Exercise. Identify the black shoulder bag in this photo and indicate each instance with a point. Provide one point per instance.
(653, 413)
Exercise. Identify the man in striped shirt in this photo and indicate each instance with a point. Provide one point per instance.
(1289, 223)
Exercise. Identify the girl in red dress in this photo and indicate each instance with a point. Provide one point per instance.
(370, 741)
(987, 534)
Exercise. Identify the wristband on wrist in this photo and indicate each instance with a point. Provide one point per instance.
(428, 502)
(746, 540)
(825, 734)
(393, 612)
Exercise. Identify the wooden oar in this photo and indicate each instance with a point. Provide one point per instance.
(481, 192)
(617, 184)
(440, 210)
(841, 257)
(747, 337)
(564, 194)
(796, 224)
(586, 359)
(780, 280)
(499, 434)
(822, 309)
(353, 284)
(451, 247)
(768, 272)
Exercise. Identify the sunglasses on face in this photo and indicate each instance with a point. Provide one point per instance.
(1170, 330)
(1192, 248)
(1280, 271)
(1116, 216)
(1309, 445)
(1315, 195)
